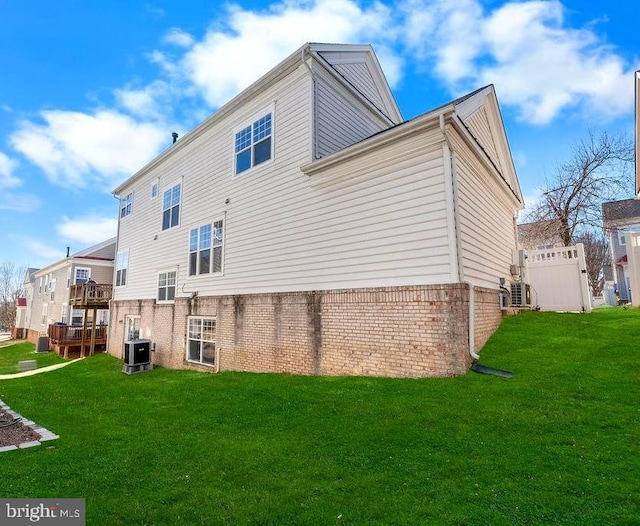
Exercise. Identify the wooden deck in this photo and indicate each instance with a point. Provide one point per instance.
(71, 339)
(90, 296)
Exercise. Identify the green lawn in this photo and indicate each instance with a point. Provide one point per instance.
(559, 443)
(11, 355)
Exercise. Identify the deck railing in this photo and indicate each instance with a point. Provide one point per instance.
(90, 294)
(71, 333)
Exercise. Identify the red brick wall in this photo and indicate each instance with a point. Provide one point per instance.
(395, 331)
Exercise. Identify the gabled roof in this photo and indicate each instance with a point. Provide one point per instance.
(625, 209)
(355, 65)
(104, 250)
(358, 66)
(30, 275)
(477, 114)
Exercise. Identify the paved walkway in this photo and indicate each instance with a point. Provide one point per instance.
(38, 371)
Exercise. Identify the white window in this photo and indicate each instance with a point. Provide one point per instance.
(68, 277)
(52, 289)
(171, 207)
(201, 345)
(81, 275)
(253, 144)
(621, 237)
(45, 309)
(77, 317)
(154, 190)
(122, 262)
(65, 313)
(167, 286)
(125, 205)
(205, 249)
(132, 328)
(40, 286)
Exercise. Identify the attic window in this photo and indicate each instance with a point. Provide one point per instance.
(253, 144)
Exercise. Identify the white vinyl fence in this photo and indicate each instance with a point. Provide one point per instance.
(558, 278)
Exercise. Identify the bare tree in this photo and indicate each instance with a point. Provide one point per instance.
(11, 288)
(598, 170)
(596, 255)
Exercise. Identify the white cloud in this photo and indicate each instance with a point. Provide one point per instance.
(150, 102)
(43, 252)
(179, 38)
(539, 65)
(7, 167)
(89, 229)
(19, 202)
(83, 150)
(229, 59)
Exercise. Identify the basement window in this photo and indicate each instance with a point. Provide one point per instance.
(201, 344)
(167, 287)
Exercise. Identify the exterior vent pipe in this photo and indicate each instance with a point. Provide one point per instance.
(175, 137)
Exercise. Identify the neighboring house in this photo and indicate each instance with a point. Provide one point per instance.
(620, 219)
(57, 291)
(19, 331)
(305, 228)
(540, 235)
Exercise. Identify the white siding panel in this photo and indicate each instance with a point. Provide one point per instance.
(341, 120)
(486, 223)
(376, 220)
(359, 75)
(479, 127)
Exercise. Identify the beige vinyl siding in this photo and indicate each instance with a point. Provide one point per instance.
(375, 221)
(341, 119)
(206, 168)
(487, 231)
(359, 75)
(478, 125)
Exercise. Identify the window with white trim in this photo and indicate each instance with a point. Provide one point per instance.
(253, 144)
(52, 289)
(132, 328)
(125, 205)
(65, 312)
(205, 249)
(154, 190)
(45, 309)
(81, 275)
(77, 317)
(167, 286)
(171, 207)
(122, 262)
(621, 237)
(201, 340)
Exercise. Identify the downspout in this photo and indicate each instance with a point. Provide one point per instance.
(113, 278)
(314, 110)
(456, 214)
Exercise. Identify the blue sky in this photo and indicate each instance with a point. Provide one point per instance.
(92, 90)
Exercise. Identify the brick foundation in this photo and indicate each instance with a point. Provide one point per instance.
(393, 331)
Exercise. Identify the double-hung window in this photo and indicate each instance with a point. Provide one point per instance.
(171, 207)
(253, 144)
(202, 340)
(122, 262)
(125, 205)
(82, 275)
(205, 249)
(167, 286)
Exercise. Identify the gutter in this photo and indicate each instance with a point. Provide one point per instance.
(456, 214)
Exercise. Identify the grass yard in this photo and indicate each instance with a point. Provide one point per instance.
(559, 443)
(11, 355)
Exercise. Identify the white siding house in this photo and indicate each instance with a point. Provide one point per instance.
(313, 231)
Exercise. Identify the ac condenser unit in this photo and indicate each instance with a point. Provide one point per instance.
(137, 352)
(520, 294)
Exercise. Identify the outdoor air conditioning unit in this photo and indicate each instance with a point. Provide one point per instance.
(137, 356)
(520, 294)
